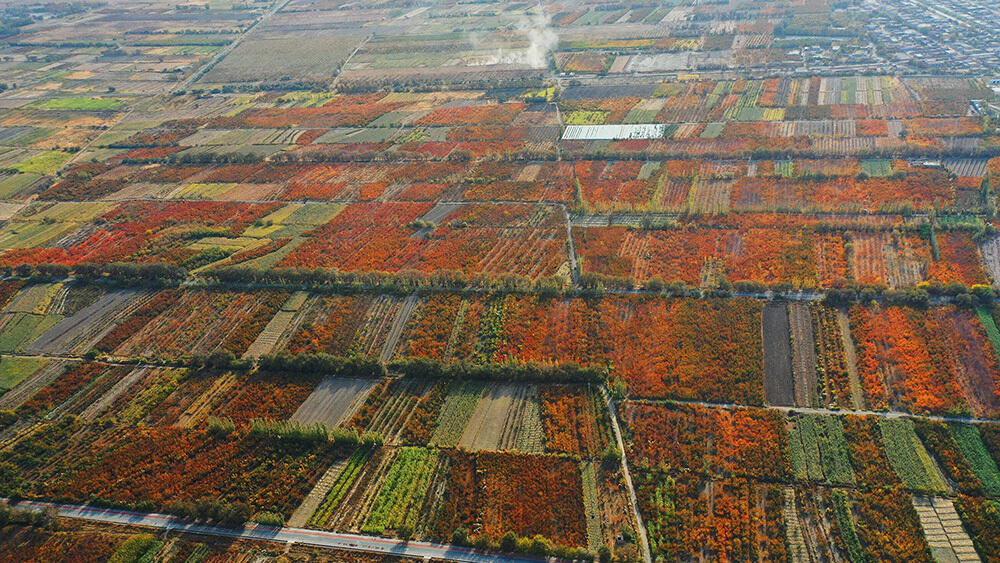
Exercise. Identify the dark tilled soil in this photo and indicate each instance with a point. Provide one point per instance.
(779, 385)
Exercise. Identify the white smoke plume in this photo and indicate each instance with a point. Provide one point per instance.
(543, 40)
(541, 37)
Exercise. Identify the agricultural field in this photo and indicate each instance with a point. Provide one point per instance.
(611, 282)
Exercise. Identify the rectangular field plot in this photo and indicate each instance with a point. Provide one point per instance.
(76, 388)
(37, 308)
(819, 450)
(745, 443)
(938, 360)
(909, 458)
(576, 421)
(119, 466)
(506, 418)
(15, 370)
(804, 356)
(261, 395)
(280, 328)
(404, 490)
(333, 401)
(943, 528)
(77, 333)
(401, 411)
(27, 376)
(458, 407)
(613, 132)
(202, 321)
(436, 491)
(779, 381)
(527, 240)
(761, 255)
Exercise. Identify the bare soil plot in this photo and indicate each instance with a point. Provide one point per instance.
(943, 529)
(803, 354)
(506, 418)
(333, 401)
(80, 332)
(991, 258)
(779, 381)
(301, 55)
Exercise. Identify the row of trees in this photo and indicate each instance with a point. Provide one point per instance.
(362, 366)
(402, 281)
(406, 282)
(158, 273)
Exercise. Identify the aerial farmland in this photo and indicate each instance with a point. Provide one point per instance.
(396, 281)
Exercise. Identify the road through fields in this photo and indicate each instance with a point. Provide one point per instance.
(351, 542)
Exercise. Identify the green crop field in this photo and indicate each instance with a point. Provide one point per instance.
(908, 457)
(14, 370)
(985, 467)
(45, 163)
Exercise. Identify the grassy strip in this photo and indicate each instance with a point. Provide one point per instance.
(591, 505)
(340, 487)
(845, 522)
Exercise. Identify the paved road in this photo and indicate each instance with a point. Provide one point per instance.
(814, 410)
(319, 538)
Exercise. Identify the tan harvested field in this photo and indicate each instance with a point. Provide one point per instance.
(991, 258)
(334, 401)
(304, 55)
(506, 418)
